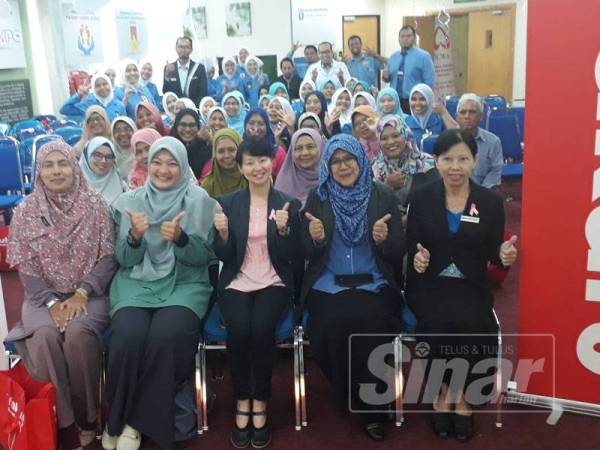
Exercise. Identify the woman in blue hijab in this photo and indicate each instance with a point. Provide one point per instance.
(233, 103)
(257, 123)
(354, 243)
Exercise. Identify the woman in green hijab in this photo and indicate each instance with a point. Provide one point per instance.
(225, 176)
(157, 298)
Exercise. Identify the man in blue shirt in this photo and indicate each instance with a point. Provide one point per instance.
(408, 67)
(364, 66)
(490, 160)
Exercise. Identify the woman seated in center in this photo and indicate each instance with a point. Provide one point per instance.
(257, 236)
(157, 298)
(354, 243)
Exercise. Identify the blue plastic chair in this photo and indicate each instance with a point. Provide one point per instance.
(213, 338)
(428, 142)
(4, 128)
(63, 123)
(451, 102)
(26, 129)
(495, 102)
(70, 134)
(27, 163)
(505, 125)
(46, 120)
(520, 112)
(11, 176)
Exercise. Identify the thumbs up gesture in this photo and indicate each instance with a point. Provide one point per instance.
(139, 223)
(421, 261)
(315, 228)
(380, 229)
(171, 230)
(508, 252)
(221, 223)
(281, 219)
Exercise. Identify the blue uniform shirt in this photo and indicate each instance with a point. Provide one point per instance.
(365, 68)
(418, 68)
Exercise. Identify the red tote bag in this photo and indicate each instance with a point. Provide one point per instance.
(27, 411)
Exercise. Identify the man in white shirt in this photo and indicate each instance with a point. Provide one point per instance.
(327, 68)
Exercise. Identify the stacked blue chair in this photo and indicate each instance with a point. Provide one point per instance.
(27, 163)
(11, 176)
(213, 338)
(63, 123)
(70, 134)
(46, 120)
(451, 102)
(26, 129)
(495, 102)
(505, 125)
(428, 142)
(520, 112)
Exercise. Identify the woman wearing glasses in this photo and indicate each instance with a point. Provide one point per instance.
(186, 129)
(100, 171)
(96, 123)
(354, 243)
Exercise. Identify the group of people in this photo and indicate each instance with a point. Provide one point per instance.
(120, 243)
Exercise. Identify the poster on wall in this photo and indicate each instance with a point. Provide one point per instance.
(238, 19)
(443, 59)
(194, 22)
(15, 100)
(132, 34)
(82, 36)
(12, 53)
(311, 22)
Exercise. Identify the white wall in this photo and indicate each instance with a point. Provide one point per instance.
(395, 10)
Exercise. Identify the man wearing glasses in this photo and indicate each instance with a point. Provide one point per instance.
(327, 69)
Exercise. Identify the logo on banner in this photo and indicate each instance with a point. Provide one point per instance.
(85, 41)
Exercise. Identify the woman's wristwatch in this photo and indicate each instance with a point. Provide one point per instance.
(52, 302)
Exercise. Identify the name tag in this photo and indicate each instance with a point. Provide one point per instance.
(469, 219)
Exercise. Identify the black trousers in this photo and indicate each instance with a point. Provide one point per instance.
(332, 319)
(151, 353)
(251, 319)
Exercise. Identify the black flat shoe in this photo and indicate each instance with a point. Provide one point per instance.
(463, 427)
(240, 437)
(261, 437)
(375, 431)
(443, 424)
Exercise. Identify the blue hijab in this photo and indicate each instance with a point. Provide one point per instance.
(236, 122)
(277, 85)
(269, 137)
(349, 204)
(392, 93)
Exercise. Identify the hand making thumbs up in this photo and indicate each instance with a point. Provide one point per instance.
(315, 228)
(380, 229)
(171, 230)
(221, 223)
(281, 219)
(139, 223)
(421, 261)
(508, 252)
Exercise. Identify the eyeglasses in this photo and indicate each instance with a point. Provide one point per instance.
(188, 125)
(96, 119)
(101, 156)
(347, 160)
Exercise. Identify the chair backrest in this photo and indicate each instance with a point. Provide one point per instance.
(495, 102)
(38, 142)
(63, 123)
(520, 112)
(70, 134)
(428, 142)
(46, 120)
(451, 102)
(27, 157)
(11, 176)
(27, 128)
(505, 125)
(4, 128)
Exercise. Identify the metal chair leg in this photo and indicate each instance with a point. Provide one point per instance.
(499, 381)
(297, 382)
(301, 372)
(102, 406)
(199, 393)
(399, 380)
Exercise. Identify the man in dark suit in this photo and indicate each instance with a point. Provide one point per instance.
(185, 77)
(290, 78)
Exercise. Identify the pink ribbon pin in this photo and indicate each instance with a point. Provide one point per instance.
(272, 216)
(473, 211)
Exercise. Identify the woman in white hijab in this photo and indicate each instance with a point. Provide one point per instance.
(229, 80)
(169, 100)
(133, 90)
(122, 128)
(100, 170)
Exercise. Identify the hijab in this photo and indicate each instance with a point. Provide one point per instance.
(139, 172)
(371, 146)
(392, 93)
(126, 63)
(158, 123)
(105, 101)
(85, 136)
(426, 92)
(226, 60)
(109, 185)
(214, 109)
(60, 237)
(366, 86)
(124, 155)
(201, 107)
(258, 62)
(308, 115)
(269, 137)
(165, 97)
(311, 83)
(292, 179)
(198, 152)
(366, 96)
(163, 205)
(236, 122)
(411, 160)
(321, 113)
(142, 63)
(188, 102)
(285, 104)
(278, 85)
(223, 181)
(262, 97)
(345, 116)
(349, 204)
